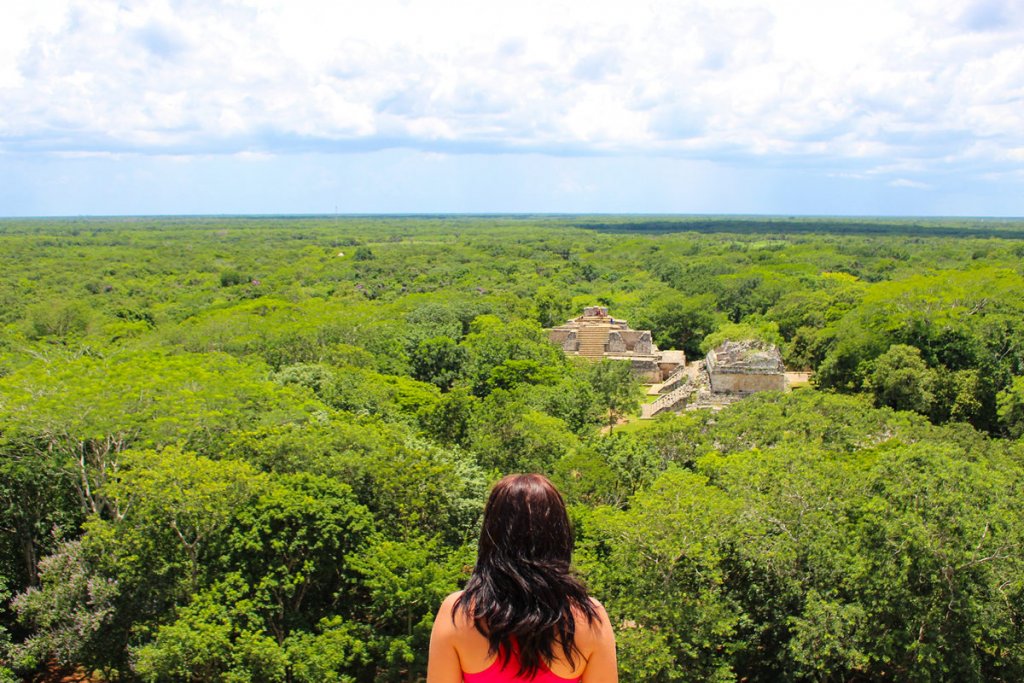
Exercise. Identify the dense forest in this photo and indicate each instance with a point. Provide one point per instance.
(257, 449)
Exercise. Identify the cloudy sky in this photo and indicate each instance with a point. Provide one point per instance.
(677, 106)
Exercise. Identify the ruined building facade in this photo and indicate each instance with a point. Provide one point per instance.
(745, 367)
(728, 373)
(595, 334)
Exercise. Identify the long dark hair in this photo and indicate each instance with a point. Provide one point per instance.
(522, 594)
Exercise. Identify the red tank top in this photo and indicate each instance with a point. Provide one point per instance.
(496, 673)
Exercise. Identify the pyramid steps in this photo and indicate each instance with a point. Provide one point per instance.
(593, 340)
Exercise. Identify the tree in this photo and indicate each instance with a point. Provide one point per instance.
(295, 542)
(552, 304)
(572, 400)
(510, 436)
(38, 510)
(218, 636)
(679, 322)
(63, 320)
(511, 374)
(902, 380)
(73, 614)
(448, 420)
(492, 342)
(85, 411)
(364, 253)
(616, 389)
(659, 569)
(608, 471)
(440, 361)
(1011, 408)
(405, 581)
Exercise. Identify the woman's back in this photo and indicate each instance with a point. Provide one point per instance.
(460, 652)
(524, 615)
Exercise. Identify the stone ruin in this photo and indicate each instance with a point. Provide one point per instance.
(727, 374)
(595, 334)
(744, 367)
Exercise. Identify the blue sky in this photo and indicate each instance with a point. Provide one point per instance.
(677, 106)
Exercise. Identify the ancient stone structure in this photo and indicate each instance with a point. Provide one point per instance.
(744, 367)
(727, 374)
(595, 334)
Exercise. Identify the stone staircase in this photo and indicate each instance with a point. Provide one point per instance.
(678, 377)
(669, 401)
(593, 341)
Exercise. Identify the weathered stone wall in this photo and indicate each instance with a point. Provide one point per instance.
(633, 341)
(646, 370)
(564, 338)
(644, 345)
(734, 382)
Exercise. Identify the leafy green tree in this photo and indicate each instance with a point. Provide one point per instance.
(677, 438)
(418, 488)
(807, 348)
(186, 500)
(679, 322)
(658, 567)
(616, 389)
(86, 411)
(58, 320)
(218, 636)
(902, 380)
(361, 390)
(99, 594)
(572, 400)
(294, 543)
(586, 480)
(364, 253)
(233, 278)
(449, 318)
(335, 652)
(958, 396)
(751, 291)
(448, 421)
(38, 510)
(511, 374)
(1011, 408)
(608, 471)
(510, 436)
(72, 614)
(440, 361)
(405, 581)
(331, 445)
(491, 342)
(552, 304)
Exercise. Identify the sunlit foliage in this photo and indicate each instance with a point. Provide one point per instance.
(240, 449)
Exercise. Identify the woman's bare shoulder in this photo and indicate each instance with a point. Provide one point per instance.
(449, 602)
(592, 631)
(601, 615)
(452, 614)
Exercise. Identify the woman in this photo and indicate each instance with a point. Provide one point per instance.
(523, 616)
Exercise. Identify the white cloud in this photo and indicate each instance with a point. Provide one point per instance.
(912, 184)
(873, 83)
